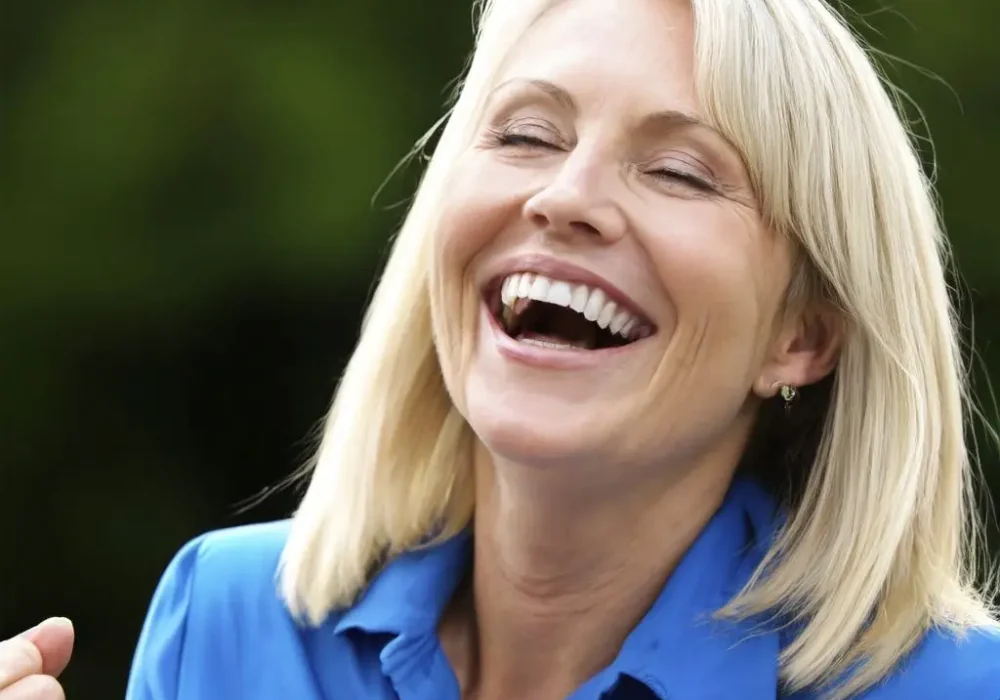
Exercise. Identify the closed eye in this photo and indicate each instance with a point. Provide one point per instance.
(668, 175)
(674, 176)
(508, 139)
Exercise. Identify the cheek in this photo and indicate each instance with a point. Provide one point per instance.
(721, 271)
(474, 218)
(707, 266)
(467, 231)
(482, 203)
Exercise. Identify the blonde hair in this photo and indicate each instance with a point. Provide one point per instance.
(881, 540)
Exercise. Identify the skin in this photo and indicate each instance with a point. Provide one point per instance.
(592, 483)
(31, 662)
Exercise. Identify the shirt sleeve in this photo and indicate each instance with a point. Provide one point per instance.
(159, 656)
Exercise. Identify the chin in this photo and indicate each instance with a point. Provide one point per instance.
(538, 448)
(537, 430)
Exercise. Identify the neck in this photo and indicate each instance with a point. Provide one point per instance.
(561, 576)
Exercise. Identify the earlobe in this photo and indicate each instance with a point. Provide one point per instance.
(766, 387)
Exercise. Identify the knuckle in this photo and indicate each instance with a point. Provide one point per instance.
(18, 658)
(38, 687)
(48, 688)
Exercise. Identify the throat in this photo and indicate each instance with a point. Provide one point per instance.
(563, 569)
(517, 638)
(552, 326)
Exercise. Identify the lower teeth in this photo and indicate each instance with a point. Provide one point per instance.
(548, 344)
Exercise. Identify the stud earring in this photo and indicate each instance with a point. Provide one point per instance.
(789, 393)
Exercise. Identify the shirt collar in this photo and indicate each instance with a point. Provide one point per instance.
(410, 594)
(678, 650)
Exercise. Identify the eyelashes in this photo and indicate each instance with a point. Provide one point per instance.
(508, 139)
(508, 136)
(519, 139)
(671, 175)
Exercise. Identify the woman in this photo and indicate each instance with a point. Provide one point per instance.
(659, 397)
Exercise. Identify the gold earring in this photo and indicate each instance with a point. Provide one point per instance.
(789, 393)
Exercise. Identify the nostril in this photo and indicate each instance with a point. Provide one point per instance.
(584, 227)
(544, 223)
(540, 220)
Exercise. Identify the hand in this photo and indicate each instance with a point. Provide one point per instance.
(31, 661)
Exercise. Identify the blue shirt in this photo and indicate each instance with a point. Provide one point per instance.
(216, 630)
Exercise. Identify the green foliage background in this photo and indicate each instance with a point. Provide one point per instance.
(189, 237)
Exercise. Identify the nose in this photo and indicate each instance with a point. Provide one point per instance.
(578, 200)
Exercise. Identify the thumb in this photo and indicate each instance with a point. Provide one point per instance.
(54, 640)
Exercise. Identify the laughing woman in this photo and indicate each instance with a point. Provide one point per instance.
(660, 396)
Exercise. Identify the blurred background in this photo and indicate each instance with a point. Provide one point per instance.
(190, 231)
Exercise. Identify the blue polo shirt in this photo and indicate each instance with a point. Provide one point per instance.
(216, 630)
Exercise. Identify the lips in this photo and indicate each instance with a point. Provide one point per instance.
(547, 303)
(580, 314)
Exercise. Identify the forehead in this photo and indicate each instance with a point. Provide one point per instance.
(639, 52)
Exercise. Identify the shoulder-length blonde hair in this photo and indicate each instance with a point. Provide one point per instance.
(881, 537)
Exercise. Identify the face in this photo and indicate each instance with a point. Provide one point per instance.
(602, 255)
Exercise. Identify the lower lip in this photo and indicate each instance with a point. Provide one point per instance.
(551, 358)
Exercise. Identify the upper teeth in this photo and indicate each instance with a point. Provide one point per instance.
(592, 302)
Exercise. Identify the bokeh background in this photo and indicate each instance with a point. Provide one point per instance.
(190, 231)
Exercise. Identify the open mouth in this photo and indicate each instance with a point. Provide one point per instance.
(538, 310)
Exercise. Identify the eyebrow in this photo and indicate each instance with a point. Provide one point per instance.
(661, 119)
(558, 94)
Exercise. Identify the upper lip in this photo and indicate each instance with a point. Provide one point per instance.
(567, 272)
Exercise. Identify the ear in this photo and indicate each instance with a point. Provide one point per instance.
(804, 350)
